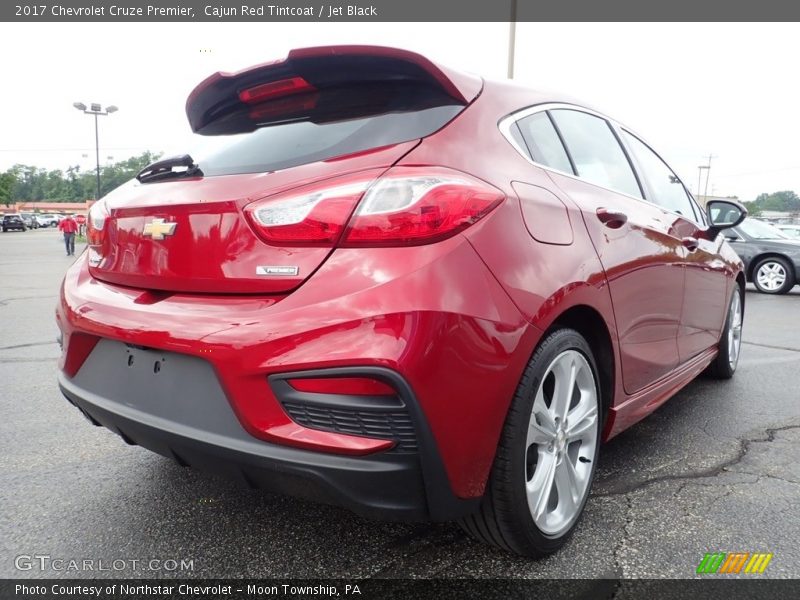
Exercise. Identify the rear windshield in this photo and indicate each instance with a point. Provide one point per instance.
(290, 144)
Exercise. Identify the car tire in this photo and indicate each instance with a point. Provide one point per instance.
(773, 275)
(541, 454)
(730, 343)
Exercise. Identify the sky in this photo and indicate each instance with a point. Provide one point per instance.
(689, 89)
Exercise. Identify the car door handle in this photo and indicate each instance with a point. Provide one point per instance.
(690, 243)
(614, 219)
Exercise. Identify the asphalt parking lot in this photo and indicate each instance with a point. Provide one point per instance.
(715, 469)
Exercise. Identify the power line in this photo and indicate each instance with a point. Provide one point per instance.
(71, 149)
(765, 171)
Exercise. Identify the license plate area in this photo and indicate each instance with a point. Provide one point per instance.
(143, 383)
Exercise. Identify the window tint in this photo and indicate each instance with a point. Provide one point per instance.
(667, 189)
(594, 148)
(543, 142)
(285, 145)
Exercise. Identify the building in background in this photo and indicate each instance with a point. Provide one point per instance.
(51, 207)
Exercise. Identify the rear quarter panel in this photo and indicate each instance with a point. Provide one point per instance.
(542, 279)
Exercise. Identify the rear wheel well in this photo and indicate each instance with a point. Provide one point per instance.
(758, 258)
(591, 325)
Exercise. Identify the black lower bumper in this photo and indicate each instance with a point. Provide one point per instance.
(390, 486)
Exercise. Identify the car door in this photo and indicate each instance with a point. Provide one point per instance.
(706, 273)
(641, 259)
(741, 245)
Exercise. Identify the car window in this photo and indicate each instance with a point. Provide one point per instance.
(595, 151)
(543, 142)
(760, 230)
(293, 143)
(667, 189)
(791, 231)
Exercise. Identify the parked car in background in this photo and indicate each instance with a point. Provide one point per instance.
(30, 220)
(791, 231)
(47, 220)
(771, 257)
(14, 223)
(399, 288)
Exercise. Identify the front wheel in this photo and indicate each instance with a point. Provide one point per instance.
(547, 454)
(773, 275)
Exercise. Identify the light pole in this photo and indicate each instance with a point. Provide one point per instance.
(98, 111)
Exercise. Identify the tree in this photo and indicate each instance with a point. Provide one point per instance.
(752, 209)
(26, 183)
(7, 183)
(785, 201)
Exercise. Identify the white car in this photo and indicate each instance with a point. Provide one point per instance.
(46, 220)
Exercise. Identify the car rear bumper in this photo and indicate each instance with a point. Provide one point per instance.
(432, 319)
(405, 486)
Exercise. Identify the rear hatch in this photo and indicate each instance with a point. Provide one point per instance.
(322, 114)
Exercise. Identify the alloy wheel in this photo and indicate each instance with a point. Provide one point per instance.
(735, 328)
(561, 441)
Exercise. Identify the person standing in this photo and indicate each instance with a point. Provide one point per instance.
(69, 227)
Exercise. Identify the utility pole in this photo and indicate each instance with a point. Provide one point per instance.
(699, 175)
(512, 38)
(708, 173)
(707, 168)
(699, 179)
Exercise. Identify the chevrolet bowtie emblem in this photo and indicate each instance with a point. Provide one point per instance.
(157, 229)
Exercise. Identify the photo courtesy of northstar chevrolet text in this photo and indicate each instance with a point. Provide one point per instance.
(458, 299)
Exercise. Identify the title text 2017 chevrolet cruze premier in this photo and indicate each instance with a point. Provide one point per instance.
(399, 288)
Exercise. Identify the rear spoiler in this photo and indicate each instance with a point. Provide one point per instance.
(309, 71)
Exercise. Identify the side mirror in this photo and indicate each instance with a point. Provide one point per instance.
(724, 214)
(731, 236)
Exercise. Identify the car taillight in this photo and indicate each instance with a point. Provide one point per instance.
(419, 205)
(95, 230)
(97, 220)
(404, 206)
(314, 215)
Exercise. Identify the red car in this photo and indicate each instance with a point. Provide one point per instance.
(401, 289)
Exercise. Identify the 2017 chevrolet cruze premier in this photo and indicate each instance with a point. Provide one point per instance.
(401, 289)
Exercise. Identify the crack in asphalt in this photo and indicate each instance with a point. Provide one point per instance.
(619, 570)
(5, 301)
(16, 359)
(760, 476)
(772, 347)
(687, 479)
(744, 447)
(730, 484)
(27, 345)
